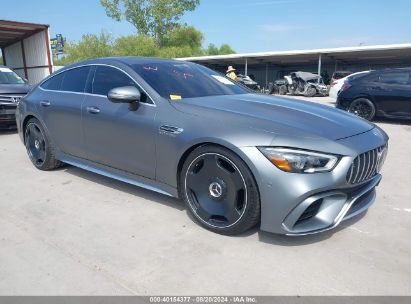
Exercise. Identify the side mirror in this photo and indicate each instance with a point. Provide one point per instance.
(124, 95)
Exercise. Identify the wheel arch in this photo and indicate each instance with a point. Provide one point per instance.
(24, 124)
(190, 149)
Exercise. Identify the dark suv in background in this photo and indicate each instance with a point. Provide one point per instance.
(12, 89)
(383, 93)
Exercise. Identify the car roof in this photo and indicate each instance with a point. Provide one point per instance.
(121, 61)
(127, 60)
(394, 69)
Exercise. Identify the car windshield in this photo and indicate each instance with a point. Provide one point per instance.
(177, 80)
(7, 76)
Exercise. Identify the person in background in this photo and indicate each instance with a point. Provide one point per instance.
(231, 73)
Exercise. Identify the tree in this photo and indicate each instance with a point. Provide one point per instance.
(135, 46)
(212, 49)
(90, 46)
(224, 49)
(183, 36)
(153, 18)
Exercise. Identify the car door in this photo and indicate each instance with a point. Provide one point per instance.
(116, 136)
(393, 93)
(60, 108)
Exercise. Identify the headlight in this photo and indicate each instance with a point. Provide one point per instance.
(300, 161)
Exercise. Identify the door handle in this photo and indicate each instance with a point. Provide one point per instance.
(93, 110)
(45, 103)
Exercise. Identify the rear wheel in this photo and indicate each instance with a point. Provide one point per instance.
(282, 90)
(219, 190)
(362, 107)
(39, 146)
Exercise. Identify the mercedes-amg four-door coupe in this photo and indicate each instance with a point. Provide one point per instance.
(234, 157)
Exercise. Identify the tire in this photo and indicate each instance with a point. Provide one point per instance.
(311, 92)
(282, 90)
(219, 190)
(39, 146)
(362, 107)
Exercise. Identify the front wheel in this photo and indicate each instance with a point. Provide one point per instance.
(311, 92)
(219, 190)
(362, 107)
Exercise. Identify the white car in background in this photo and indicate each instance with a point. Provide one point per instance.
(337, 84)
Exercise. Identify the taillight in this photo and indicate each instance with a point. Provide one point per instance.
(345, 87)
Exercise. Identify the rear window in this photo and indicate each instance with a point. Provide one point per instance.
(75, 80)
(395, 78)
(107, 78)
(338, 75)
(357, 76)
(53, 83)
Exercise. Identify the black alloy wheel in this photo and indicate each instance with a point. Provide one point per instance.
(35, 144)
(39, 147)
(362, 107)
(220, 191)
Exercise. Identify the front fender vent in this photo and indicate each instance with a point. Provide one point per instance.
(165, 129)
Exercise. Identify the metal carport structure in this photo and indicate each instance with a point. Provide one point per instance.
(26, 49)
(268, 66)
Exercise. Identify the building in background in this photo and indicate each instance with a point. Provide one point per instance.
(269, 66)
(26, 49)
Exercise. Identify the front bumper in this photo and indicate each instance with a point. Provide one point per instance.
(333, 208)
(7, 116)
(299, 204)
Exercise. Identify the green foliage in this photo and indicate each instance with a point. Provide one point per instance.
(1, 60)
(135, 46)
(326, 77)
(153, 18)
(224, 49)
(90, 46)
(212, 49)
(174, 52)
(183, 36)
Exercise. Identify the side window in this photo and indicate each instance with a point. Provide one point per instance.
(54, 83)
(75, 80)
(107, 78)
(395, 78)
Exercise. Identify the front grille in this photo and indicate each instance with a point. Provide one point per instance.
(7, 117)
(365, 166)
(10, 98)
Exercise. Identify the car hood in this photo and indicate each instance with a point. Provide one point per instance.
(281, 116)
(15, 88)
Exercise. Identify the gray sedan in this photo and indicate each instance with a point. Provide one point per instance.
(235, 158)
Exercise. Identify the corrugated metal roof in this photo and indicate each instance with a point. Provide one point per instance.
(14, 31)
(329, 51)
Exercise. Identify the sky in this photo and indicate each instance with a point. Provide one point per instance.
(246, 25)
